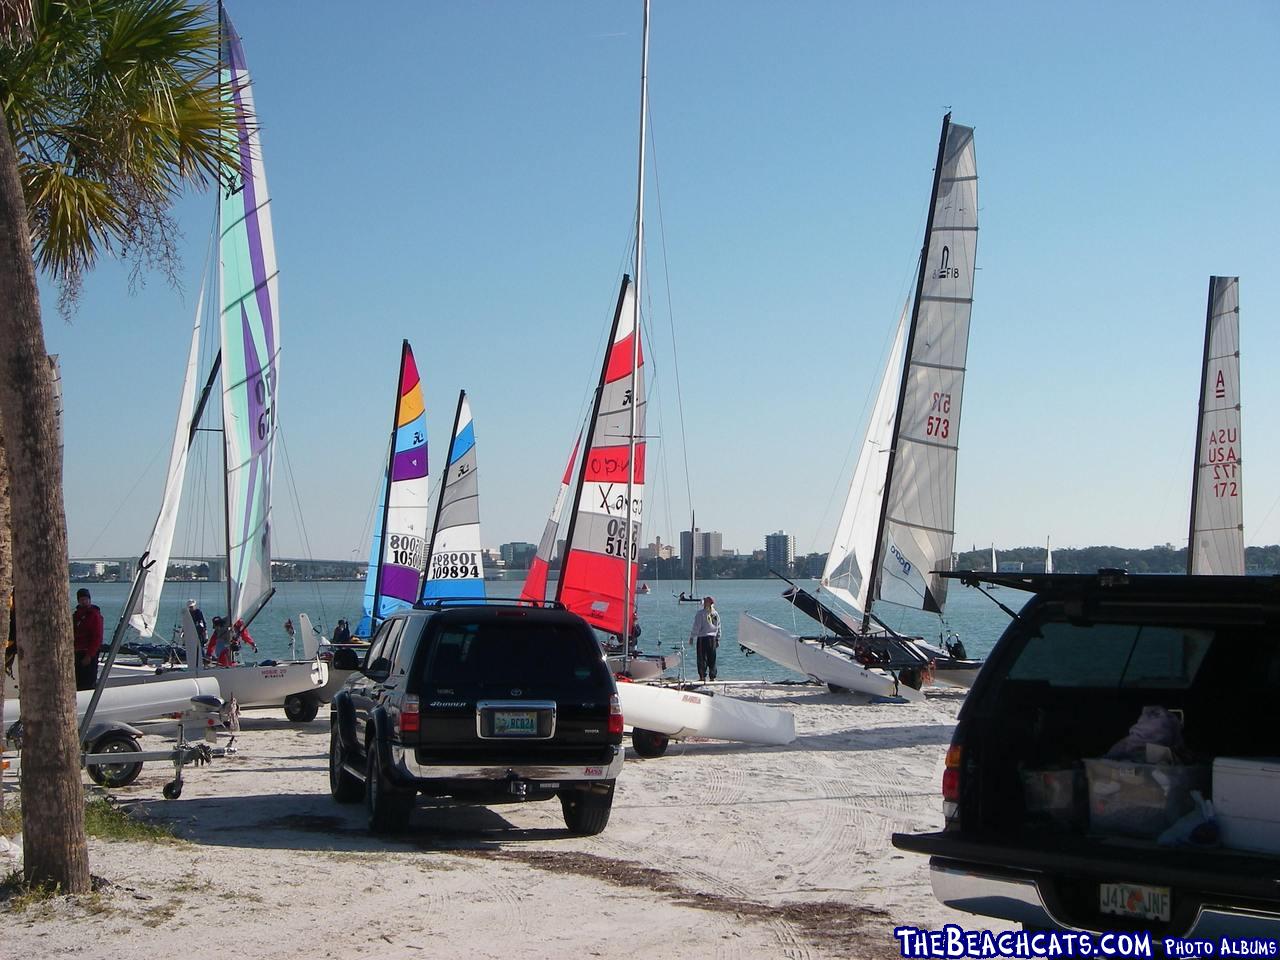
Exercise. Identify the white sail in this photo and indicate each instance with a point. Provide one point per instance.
(160, 544)
(853, 548)
(1048, 557)
(919, 518)
(995, 564)
(1216, 544)
(455, 568)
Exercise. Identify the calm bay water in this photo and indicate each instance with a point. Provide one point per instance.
(664, 621)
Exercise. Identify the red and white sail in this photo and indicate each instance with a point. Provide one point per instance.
(535, 582)
(1216, 544)
(599, 565)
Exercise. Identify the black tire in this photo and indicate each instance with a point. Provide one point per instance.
(648, 744)
(388, 808)
(586, 812)
(343, 784)
(301, 707)
(114, 775)
(172, 790)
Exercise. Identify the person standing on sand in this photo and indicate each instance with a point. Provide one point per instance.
(706, 631)
(86, 619)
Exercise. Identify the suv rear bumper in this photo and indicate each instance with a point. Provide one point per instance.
(408, 768)
(1015, 895)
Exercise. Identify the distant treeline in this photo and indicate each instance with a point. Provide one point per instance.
(1162, 559)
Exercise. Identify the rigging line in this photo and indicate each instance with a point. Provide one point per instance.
(671, 323)
(297, 514)
(120, 506)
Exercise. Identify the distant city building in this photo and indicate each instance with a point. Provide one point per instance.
(657, 551)
(701, 543)
(518, 554)
(779, 551)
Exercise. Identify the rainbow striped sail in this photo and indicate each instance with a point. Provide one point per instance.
(595, 572)
(400, 526)
(456, 568)
(249, 311)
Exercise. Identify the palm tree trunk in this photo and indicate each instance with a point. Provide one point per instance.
(6, 589)
(54, 846)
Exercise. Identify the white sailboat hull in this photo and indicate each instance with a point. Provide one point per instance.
(259, 686)
(812, 659)
(647, 666)
(684, 713)
(145, 699)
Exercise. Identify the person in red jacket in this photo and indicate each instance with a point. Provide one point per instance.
(87, 621)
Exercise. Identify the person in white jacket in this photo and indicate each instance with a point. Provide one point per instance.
(706, 632)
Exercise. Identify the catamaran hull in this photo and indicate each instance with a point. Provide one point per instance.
(258, 686)
(646, 666)
(134, 702)
(684, 713)
(812, 659)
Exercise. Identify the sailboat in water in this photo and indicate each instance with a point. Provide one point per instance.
(399, 543)
(896, 531)
(1215, 544)
(1048, 557)
(248, 366)
(455, 568)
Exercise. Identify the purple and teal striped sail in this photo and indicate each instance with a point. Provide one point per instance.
(400, 527)
(249, 310)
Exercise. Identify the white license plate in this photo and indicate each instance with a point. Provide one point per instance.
(1134, 900)
(515, 723)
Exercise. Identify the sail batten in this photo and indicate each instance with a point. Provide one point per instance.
(1216, 541)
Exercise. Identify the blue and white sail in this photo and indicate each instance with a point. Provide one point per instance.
(455, 568)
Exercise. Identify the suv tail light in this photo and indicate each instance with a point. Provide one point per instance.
(615, 715)
(409, 718)
(951, 785)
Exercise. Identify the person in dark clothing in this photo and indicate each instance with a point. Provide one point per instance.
(11, 645)
(341, 633)
(197, 617)
(87, 621)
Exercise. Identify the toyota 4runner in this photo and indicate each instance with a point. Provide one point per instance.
(480, 702)
(1042, 828)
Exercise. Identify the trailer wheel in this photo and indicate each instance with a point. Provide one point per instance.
(648, 744)
(115, 775)
(301, 707)
(172, 790)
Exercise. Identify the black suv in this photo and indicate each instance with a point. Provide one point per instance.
(1042, 828)
(482, 702)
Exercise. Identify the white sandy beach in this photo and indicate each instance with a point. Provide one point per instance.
(715, 850)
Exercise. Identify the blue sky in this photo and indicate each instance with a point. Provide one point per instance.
(463, 175)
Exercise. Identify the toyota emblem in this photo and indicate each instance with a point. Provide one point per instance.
(516, 693)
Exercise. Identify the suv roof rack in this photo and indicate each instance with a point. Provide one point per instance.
(438, 603)
(1187, 586)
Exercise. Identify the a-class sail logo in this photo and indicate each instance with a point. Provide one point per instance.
(945, 271)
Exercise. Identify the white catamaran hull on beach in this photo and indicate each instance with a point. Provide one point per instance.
(822, 662)
(683, 713)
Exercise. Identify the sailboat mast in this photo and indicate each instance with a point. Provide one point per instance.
(906, 369)
(435, 524)
(693, 554)
(629, 546)
(217, 280)
(1195, 458)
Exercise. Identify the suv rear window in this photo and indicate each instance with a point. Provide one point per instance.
(1113, 655)
(512, 653)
